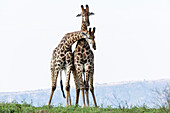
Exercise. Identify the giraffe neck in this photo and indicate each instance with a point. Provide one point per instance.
(71, 38)
(83, 42)
(83, 26)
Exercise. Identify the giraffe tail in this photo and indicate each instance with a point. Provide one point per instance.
(61, 84)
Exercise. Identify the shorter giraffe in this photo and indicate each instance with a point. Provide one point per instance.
(62, 59)
(84, 63)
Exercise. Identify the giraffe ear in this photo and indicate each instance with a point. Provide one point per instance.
(91, 13)
(78, 15)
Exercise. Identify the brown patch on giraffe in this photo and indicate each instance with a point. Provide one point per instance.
(88, 60)
(54, 51)
(58, 60)
(62, 50)
(78, 58)
(91, 63)
(87, 52)
(63, 58)
(62, 55)
(79, 54)
(84, 56)
(58, 65)
(78, 65)
(85, 61)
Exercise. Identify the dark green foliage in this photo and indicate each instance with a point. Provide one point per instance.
(14, 107)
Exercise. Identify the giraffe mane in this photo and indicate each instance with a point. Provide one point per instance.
(75, 32)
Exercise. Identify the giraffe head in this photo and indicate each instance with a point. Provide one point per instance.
(91, 38)
(85, 14)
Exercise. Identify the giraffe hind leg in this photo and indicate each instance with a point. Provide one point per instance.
(82, 86)
(77, 95)
(92, 89)
(76, 84)
(82, 90)
(87, 97)
(87, 92)
(87, 89)
(53, 86)
(87, 71)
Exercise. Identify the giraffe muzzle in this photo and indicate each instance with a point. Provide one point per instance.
(94, 46)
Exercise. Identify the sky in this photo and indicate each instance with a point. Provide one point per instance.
(132, 40)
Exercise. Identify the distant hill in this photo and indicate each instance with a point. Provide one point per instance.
(109, 94)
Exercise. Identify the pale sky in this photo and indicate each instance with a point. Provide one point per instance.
(132, 39)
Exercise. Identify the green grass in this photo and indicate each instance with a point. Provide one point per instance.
(14, 107)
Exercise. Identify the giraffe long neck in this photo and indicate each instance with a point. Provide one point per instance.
(70, 39)
(82, 42)
(83, 26)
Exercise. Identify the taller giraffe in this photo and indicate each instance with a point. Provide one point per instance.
(62, 59)
(84, 59)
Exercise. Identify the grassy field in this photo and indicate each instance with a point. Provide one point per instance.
(28, 108)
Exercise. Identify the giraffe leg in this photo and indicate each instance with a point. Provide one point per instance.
(76, 84)
(67, 95)
(92, 88)
(69, 66)
(87, 97)
(92, 91)
(82, 91)
(53, 86)
(67, 88)
(87, 70)
(82, 87)
(77, 95)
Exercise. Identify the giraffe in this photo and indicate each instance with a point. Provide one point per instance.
(62, 59)
(84, 59)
